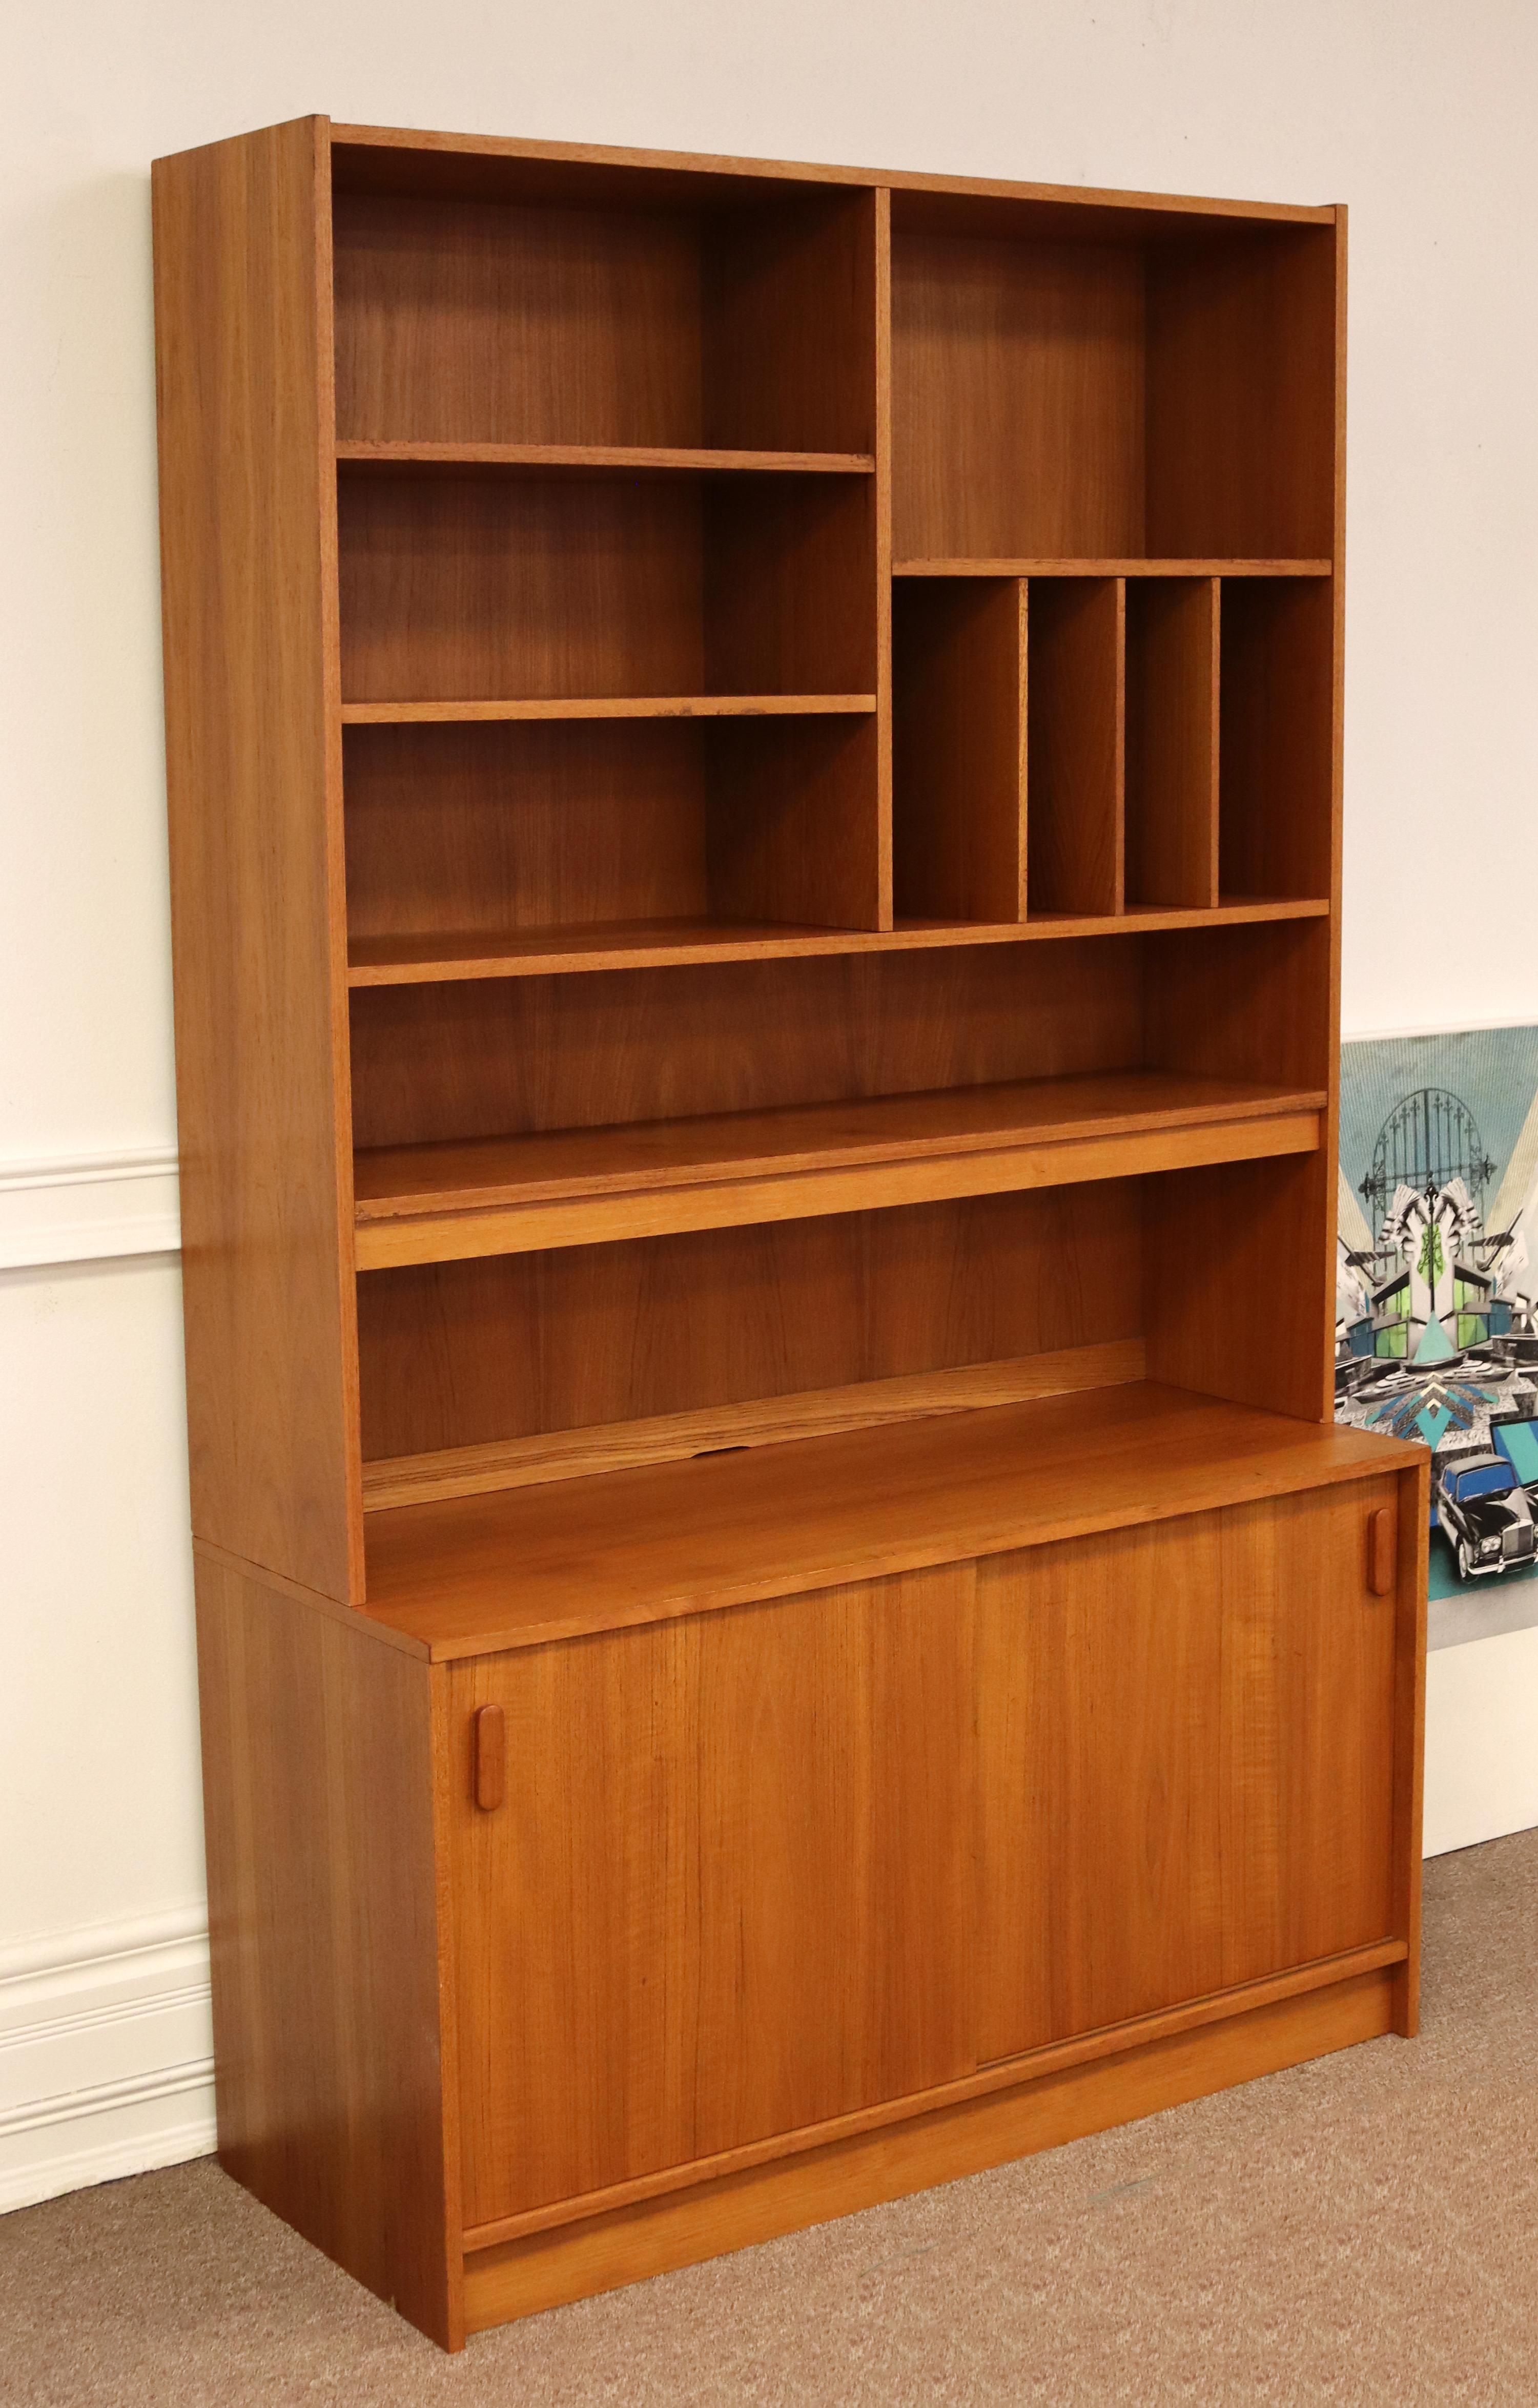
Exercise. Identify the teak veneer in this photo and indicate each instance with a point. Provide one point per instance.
(754, 772)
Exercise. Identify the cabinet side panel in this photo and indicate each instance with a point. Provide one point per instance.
(318, 1817)
(253, 765)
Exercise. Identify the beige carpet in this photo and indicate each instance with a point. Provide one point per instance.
(1365, 2228)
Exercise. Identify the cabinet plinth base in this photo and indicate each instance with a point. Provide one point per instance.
(629, 2245)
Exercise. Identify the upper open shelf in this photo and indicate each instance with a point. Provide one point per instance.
(1167, 396)
(566, 1187)
(724, 316)
(559, 585)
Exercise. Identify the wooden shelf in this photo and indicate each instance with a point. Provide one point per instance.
(1126, 567)
(522, 1567)
(566, 1187)
(646, 706)
(437, 956)
(606, 459)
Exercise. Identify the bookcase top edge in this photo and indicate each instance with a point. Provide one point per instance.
(902, 182)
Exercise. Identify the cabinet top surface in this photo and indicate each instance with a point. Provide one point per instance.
(518, 1569)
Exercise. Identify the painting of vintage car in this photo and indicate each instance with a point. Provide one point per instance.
(1484, 1510)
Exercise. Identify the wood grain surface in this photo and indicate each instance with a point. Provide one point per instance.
(1077, 737)
(959, 750)
(493, 1058)
(529, 1346)
(1172, 741)
(629, 2245)
(253, 777)
(762, 1421)
(530, 1564)
(1187, 1743)
(334, 2055)
(447, 1203)
(727, 1895)
(418, 958)
(1017, 398)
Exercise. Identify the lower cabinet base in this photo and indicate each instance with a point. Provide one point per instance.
(630, 2244)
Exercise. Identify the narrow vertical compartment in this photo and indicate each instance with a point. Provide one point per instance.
(1172, 742)
(1076, 743)
(959, 796)
(1276, 773)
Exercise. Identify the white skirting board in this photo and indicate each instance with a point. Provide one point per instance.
(106, 2054)
(1481, 1740)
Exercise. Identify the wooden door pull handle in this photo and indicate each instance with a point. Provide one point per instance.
(1381, 1551)
(490, 1758)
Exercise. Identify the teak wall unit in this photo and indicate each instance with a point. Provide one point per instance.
(755, 782)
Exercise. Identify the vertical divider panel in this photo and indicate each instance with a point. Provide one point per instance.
(1172, 636)
(960, 748)
(881, 200)
(1076, 744)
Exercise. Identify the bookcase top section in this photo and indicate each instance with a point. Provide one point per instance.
(394, 159)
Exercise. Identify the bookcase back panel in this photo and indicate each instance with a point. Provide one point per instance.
(1172, 741)
(1241, 395)
(489, 829)
(498, 585)
(462, 1354)
(1243, 1003)
(468, 322)
(486, 1058)
(958, 738)
(502, 826)
(1075, 744)
(1018, 398)
(474, 321)
(1277, 781)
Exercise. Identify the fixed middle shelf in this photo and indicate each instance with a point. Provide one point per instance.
(430, 957)
(601, 459)
(449, 1202)
(465, 712)
(1136, 564)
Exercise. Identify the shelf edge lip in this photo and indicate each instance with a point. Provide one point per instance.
(463, 1233)
(802, 945)
(806, 171)
(659, 459)
(963, 565)
(874, 1154)
(686, 705)
(1105, 2043)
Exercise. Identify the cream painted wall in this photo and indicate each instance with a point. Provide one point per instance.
(1420, 116)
